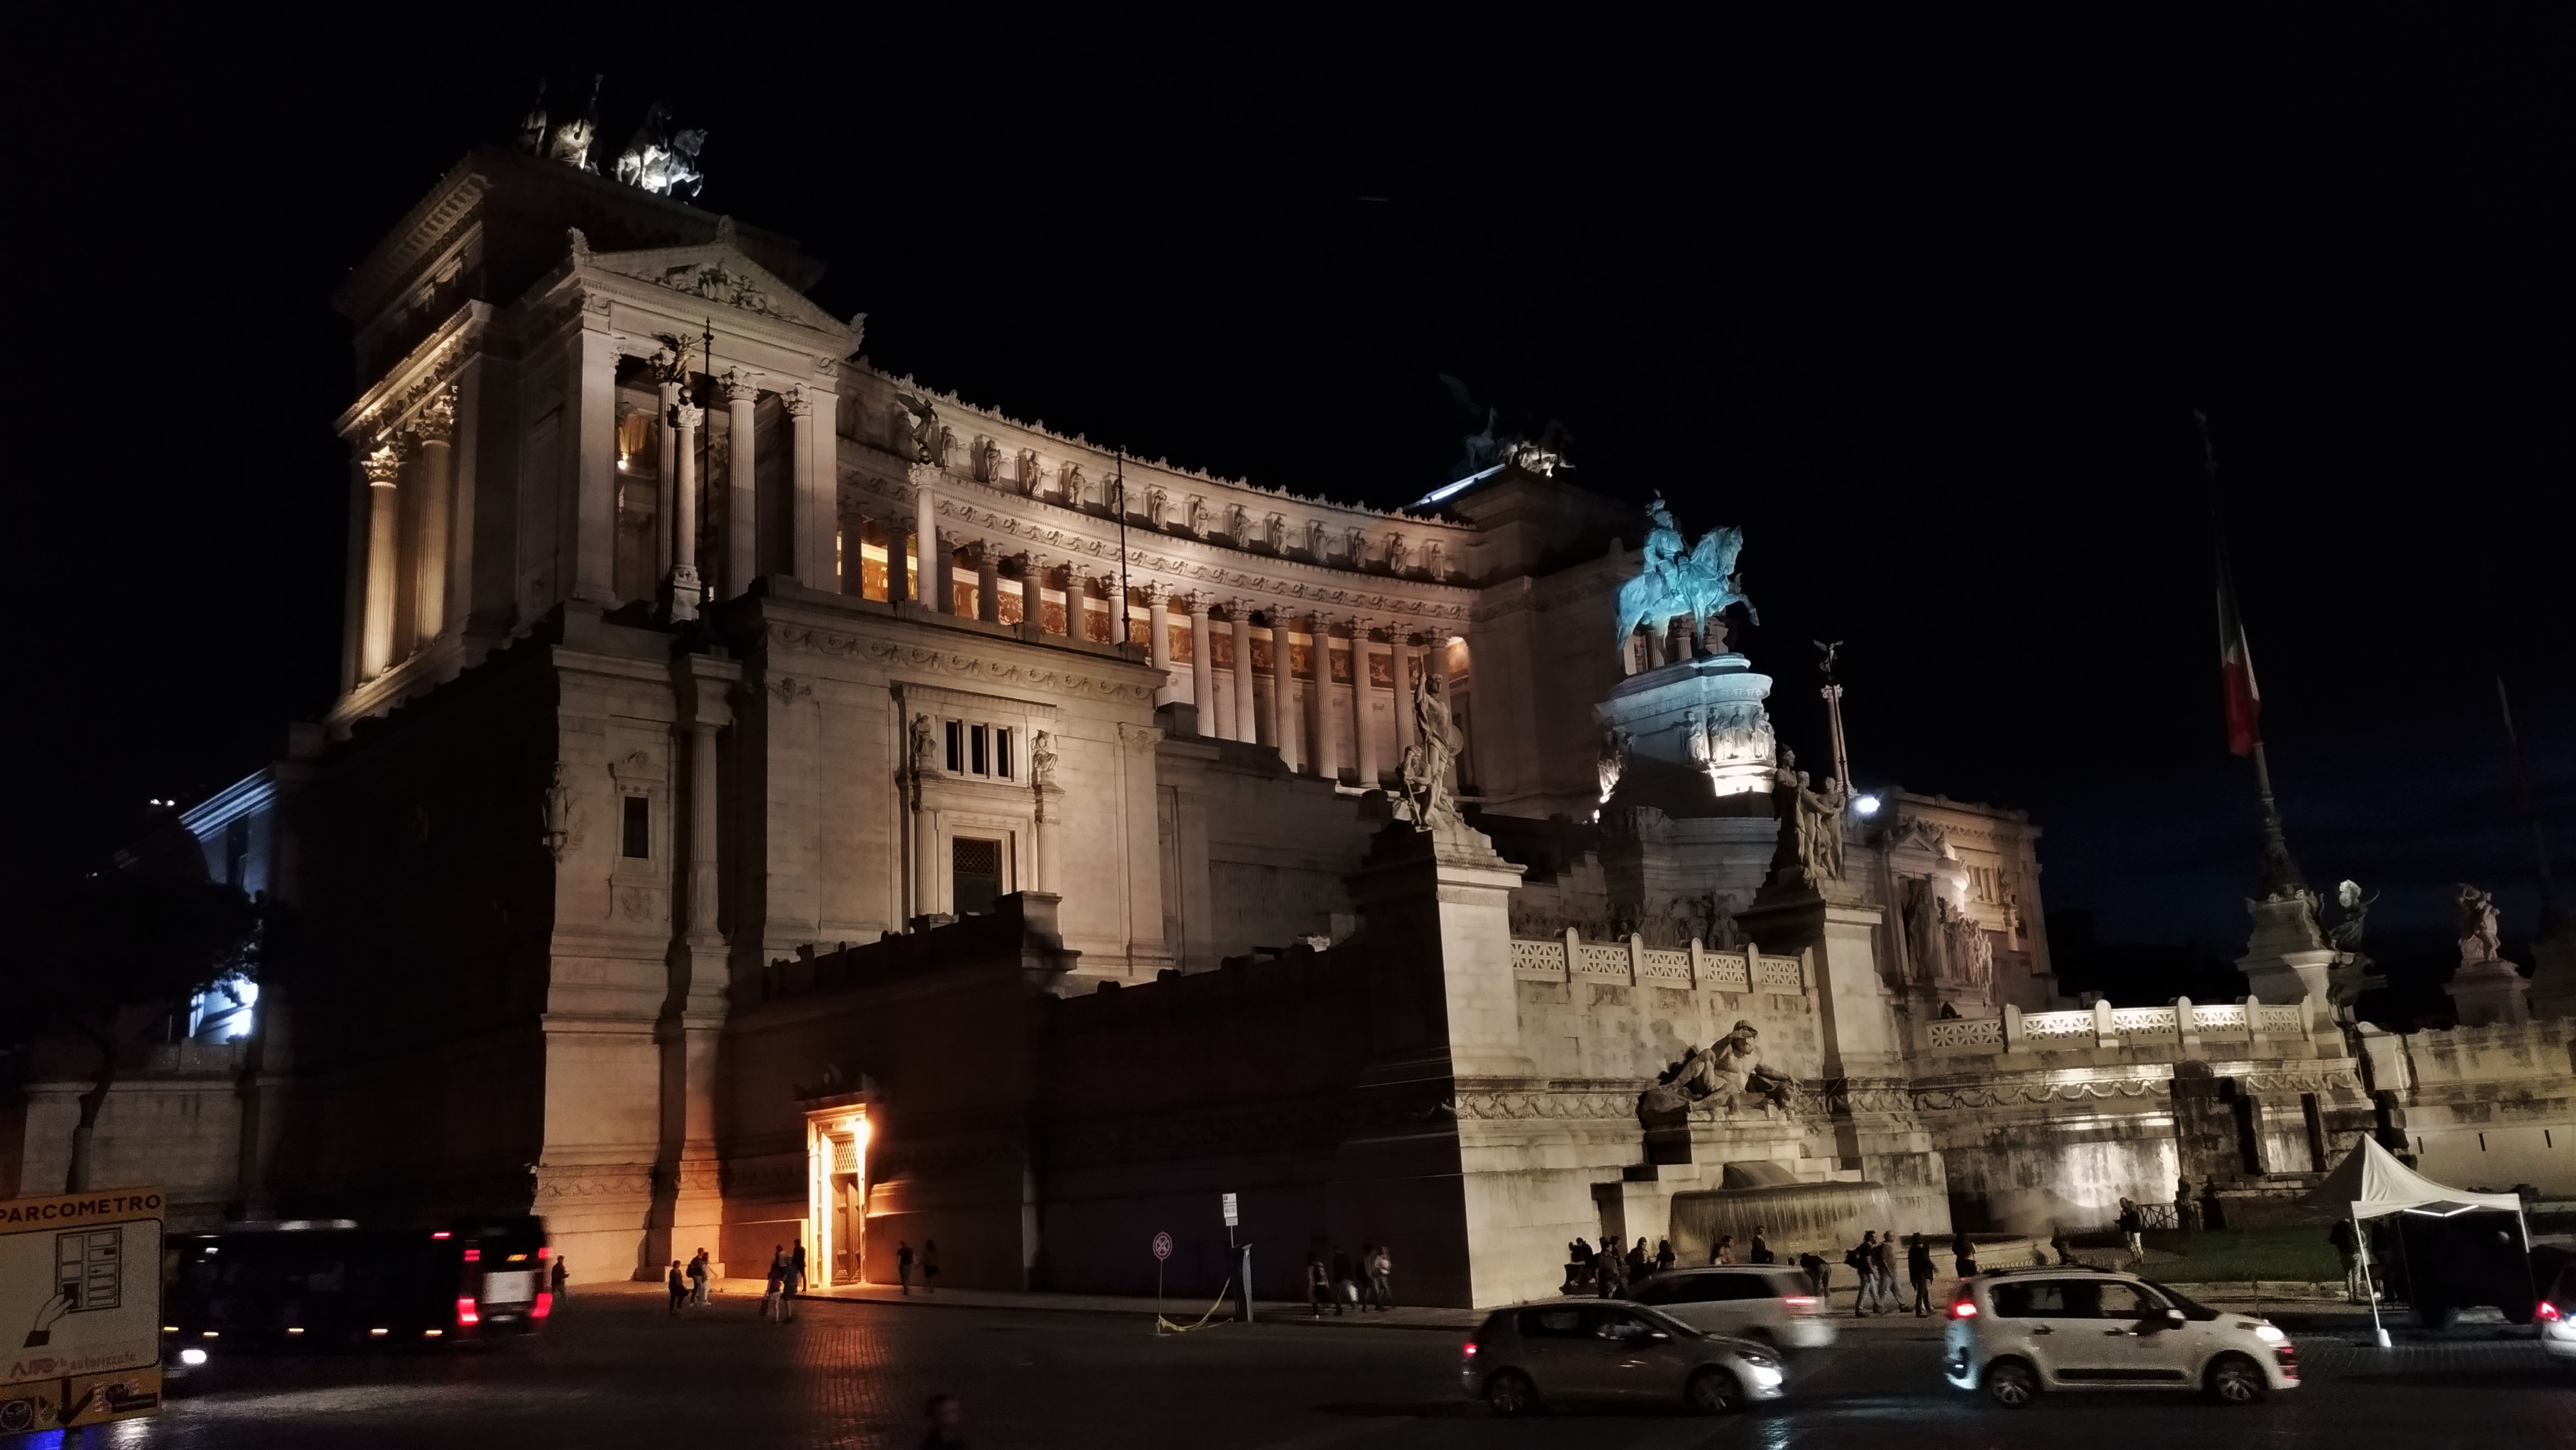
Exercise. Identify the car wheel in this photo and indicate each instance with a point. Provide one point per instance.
(2012, 1384)
(2236, 1380)
(1511, 1393)
(1714, 1392)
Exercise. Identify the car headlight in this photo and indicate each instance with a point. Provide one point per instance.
(1763, 1376)
(2269, 1334)
(192, 1356)
(1756, 1357)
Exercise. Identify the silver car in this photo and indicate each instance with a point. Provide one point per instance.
(1568, 1350)
(2015, 1332)
(1768, 1302)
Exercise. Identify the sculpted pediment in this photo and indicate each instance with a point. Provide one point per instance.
(719, 272)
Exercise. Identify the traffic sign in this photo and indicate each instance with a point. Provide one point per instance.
(1230, 1218)
(1162, 1245)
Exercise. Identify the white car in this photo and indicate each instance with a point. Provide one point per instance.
(2556, 1313)
(1767, 1302)
(2017, 1332)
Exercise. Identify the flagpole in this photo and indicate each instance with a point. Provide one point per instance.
(2280, 871)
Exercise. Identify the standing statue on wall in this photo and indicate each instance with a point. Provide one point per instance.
(1430, 759)
(924, 429)
(558, 811)
(925, 757)
(2477, 916)
(1042, 760)
(1614, 759)
(1811, 823)
(1701, 583)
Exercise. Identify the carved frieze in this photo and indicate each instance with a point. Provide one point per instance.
(950, 662)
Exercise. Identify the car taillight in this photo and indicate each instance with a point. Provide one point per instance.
(466, 1318)
(1798, 1301)
(441, 1234)
(1471, 1349)
(473, 1256)
(1963, 1309)
(545, 1306)
(2548, 1312)
(542, 1251)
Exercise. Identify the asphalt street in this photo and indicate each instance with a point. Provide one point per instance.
(617, 1370)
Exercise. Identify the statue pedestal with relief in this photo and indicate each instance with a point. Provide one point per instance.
(1703, 715)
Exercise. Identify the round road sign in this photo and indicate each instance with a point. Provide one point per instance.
(1162, 1246)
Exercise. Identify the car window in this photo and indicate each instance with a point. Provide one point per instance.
(2126, 1301)
(1556, 1323)
(1618, 1325)
(1660, 1291)
(2048, 1299)
(1782, 1283)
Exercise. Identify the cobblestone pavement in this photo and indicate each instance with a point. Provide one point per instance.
(616, 1370)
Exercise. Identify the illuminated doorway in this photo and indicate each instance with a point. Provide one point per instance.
(836, 1191)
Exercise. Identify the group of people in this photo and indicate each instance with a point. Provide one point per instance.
(690, 1285)
(1348, 1283)
(1874, 1259)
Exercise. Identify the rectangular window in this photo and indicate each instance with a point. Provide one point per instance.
(1002, 753)
(956, 747)
(638, 833)
(976, 759)
(976, 874)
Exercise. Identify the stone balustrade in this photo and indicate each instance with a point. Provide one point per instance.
(2263, 1030)
(1630, 962)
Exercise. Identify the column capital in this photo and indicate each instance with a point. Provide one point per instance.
(383, 466)
(797, 402)
(741, 386)
(688, 417)
(1199, 606)
(436, 421)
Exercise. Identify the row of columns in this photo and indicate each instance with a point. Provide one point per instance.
(419, 463)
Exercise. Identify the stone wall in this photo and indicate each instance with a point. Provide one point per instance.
(2484, 1107)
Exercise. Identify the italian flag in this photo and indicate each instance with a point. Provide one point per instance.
(2236, 671)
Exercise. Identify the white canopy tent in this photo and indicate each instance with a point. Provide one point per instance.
(2371, 1183)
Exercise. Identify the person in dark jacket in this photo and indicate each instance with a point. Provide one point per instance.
(903, 1265)
(679, 1284)
(1663, 1255)
(1918, 1267)
(1819, 1273)
(1761, 1253)
(1963, 1255)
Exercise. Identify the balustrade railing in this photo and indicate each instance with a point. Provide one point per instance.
(1571, 958)
(2249, 1026)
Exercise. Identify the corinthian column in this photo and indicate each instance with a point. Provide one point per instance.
(384, 546)
(1202, 665)
(437, 475)
(936, 587)
(1400, 662)
(1363, 751)
(742, 504)
(1158, 638)
(1283, 693)
(685, 421)
(666, 505)
(1328, 761)
(1245, 728)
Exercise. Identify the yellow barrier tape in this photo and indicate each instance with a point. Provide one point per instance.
(1163, 1325)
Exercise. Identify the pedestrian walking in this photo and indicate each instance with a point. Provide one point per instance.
(558, 1278)
(930, 1266)
(947, 1424)
(1864, 1261)
(1963, 1255)
(1663, 1256)
(1612, 1281)
(1761, 1247)
(2347, 1248)
(796, 1268)
(903, 1265)
(773, 1289)
(2133, 1225)
(1893, 1298)
(700, 1271)
(1820, 1274)
(679, 1287)
(1381, 1272)
(1723, 1251)
(1918, 1267)
(1319, 1283)
(1346, 1289)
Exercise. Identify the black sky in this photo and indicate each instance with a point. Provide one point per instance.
(1923, 303)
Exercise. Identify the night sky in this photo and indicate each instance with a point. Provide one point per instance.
(1926, 310)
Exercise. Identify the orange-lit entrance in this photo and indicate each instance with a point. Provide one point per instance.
(836, 1191)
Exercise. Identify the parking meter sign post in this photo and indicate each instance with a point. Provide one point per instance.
(1162, 1254)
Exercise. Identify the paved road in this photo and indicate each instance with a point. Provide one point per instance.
(618, 1371)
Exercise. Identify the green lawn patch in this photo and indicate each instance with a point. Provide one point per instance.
(2282, 1251)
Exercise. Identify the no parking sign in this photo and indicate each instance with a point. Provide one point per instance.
(1162, 1245)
